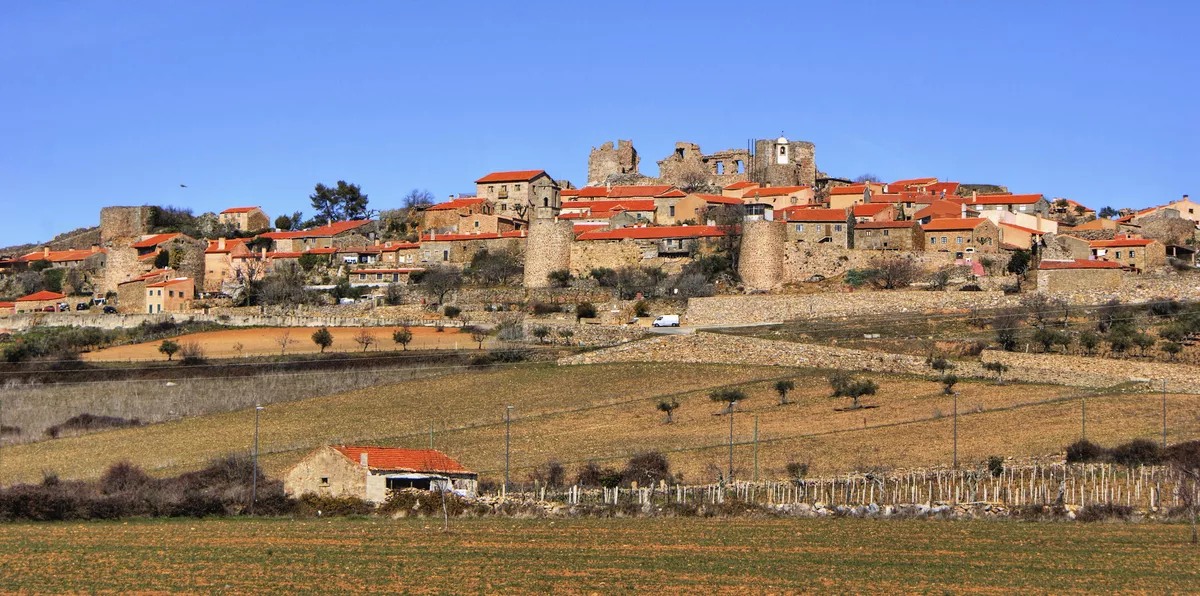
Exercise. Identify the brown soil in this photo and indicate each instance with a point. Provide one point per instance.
(260, 341)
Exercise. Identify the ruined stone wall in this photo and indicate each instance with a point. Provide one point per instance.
(589, 255)
(122, 265)
(1057, 281)
(607, 161)
(720, 168)
(759, 264)
(123, 223)
(548, 248)
(802, 261)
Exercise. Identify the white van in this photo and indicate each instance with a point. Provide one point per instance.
(666, 321)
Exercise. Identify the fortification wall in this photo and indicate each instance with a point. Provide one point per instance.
(802, 261)
(123, 222)
(760, 266)
(547, 248)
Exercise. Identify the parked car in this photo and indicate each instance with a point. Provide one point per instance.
(48, 309)
(110, 310)
(82, 306)
(99, 301)
(64, 307)
(666, 321)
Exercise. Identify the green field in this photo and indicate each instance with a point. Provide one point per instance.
(597, 555)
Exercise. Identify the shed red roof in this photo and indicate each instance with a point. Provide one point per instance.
(774, 191)
(455, 204)
(625, 192)
(627, 205)
(513, 176)
(947, 224)
(851, 189)
(1120, 241)
(1023, 229)
(239, 210)
(230, 244)
(870, 209)
(488, 236)
(876, 225)
(1079, 264)
(407, 460)
(821, 215)
(939, 209)
(721, 200)
(654, 233)
(333, 229)
(168, 282)
(42, 295)
(741, 185)
(60, 256)
(155, 240)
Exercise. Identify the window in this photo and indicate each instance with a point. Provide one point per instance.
(867, 233)
(516, 187)
(885, 232)
(1118, 254)
(799, 227)
(503, 188)
(445, 255)
(324, 481)
(932, 240)
(1021, 208)
(476, 223)
(837, 228)
(943, 239)
(671, 209)
(782, 150)
(378, 276)
(491, 188)
(171, 293)
(1131, 255)
(958, 240)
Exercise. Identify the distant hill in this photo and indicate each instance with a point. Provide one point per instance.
(77, 238)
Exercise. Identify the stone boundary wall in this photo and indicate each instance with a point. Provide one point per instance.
(1069, 370)
(802, 261)
(712, 348)
(584, 334)
(757, 309)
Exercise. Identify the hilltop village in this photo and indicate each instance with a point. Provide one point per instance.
(763, 219)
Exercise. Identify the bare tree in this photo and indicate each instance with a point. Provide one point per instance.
(668, 407)
(440, 280)
(284, 340)
(478, 334)
(892, 273)
(364, 338)
(693, 177)
(417, 198)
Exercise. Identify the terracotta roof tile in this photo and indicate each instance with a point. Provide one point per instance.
(949, 224)
(774, 191)
(513, 176)
(239, 210)
(740, 185)
(1006, 199)
(1079, 264)
(42, 295)
(819, 215)
(155, 240)
(627, 192)
(406, 460)
(455, 204)
(875, 225)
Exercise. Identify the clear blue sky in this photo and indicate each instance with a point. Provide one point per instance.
(252, 103)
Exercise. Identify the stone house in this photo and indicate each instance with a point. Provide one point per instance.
(38, 301)
(737, 189)
(1029, 203)
(357, 255)
(444, 217)
(132, 294)
(1140, 254)
(171, 295)
(150, 246)
(245, 219)
(889, 235)
(962, 236)
(941, 208)
(1077, 275)
(511, 192)
(654, 241)
(219, 261)
(399, 253)
(779, 197)
(643, 210)
(93, 258)
(458, 249)
(842, 197)
(874, 212)
(1020, 236)
(355, 232)
(483, 223)
(8, 309)
(381, 277)
(821, 226)
(370, 472)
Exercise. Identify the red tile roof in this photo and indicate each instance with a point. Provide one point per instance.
(7, 304)
(674, 193)
(827, 215)
(740, 185)
(169, 282)
(149, 256)
(948, 224)
(42, 295)
(870, 209)
(1079, 264)
(1006, 199)
(402, 270)
(239, 210)
(513, 176)
(938, 209)
(913, 182)
(1121, 240)
(403, 460)
(943, 187)
(627, 205)
(774, 191)
(155, 240)
(875, 225)
(455, 204)
(59, 256)
(654, 233)
(333, 229)
(488, 236)
(625, 192)
(590, 192)
(397, 246)
(1023, 229)
(146, 276)
(230, 244)
(852, 189)
(721, 200)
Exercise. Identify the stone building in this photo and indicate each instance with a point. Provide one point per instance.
(1029, 204)
(608, 162)
(444, 217)
(1054, 276)
(132, 294)
(548, 247)
(1140, 254)
(369, 473)
(458, 249)
(768, 162)
(245, 219)
(382, 277)
(889, 235)
(760, 264)
(219, 261)
(781, 162)
(355, 232)
(779, 197)
(962, 236)
(37, 301)
(512, 192)
(834, 227)
(117, 223)
(170, 295)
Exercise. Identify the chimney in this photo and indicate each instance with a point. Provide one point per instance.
(95, 248)
(264, 252)
(1185, 197)
(974, 196)
(362, 459)
(221, 243)
(431, 234)
(45, 251)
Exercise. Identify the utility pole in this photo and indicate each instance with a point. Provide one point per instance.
(956, 430)
(507, 443)
(254, 479)
(732, 405)
(1164, 400)
(756, 447)
(1083, 416)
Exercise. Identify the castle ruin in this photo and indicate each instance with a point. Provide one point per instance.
(769, 162)
(606, 162)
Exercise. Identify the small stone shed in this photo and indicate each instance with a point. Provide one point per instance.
(370, 472)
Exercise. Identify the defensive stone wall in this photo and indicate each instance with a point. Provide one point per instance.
(1056, 281)
(548, 248)
(762, 242)
(802, 261)
(123, 222)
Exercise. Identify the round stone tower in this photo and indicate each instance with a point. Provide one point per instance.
(761, 262)
(548, 246)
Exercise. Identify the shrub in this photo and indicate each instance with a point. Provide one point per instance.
(1136, 452)
(1085, 451)
(191, 352)
(641, 309)
(647, 468)
(1101, 512)
(452, 311)
(560, 278)
(585, 310)
(91, 422)
(995, 466)
(335, 506)
(169, 348)
(797, 470)
(543, 308)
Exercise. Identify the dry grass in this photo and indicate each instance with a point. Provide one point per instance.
(607, 412)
